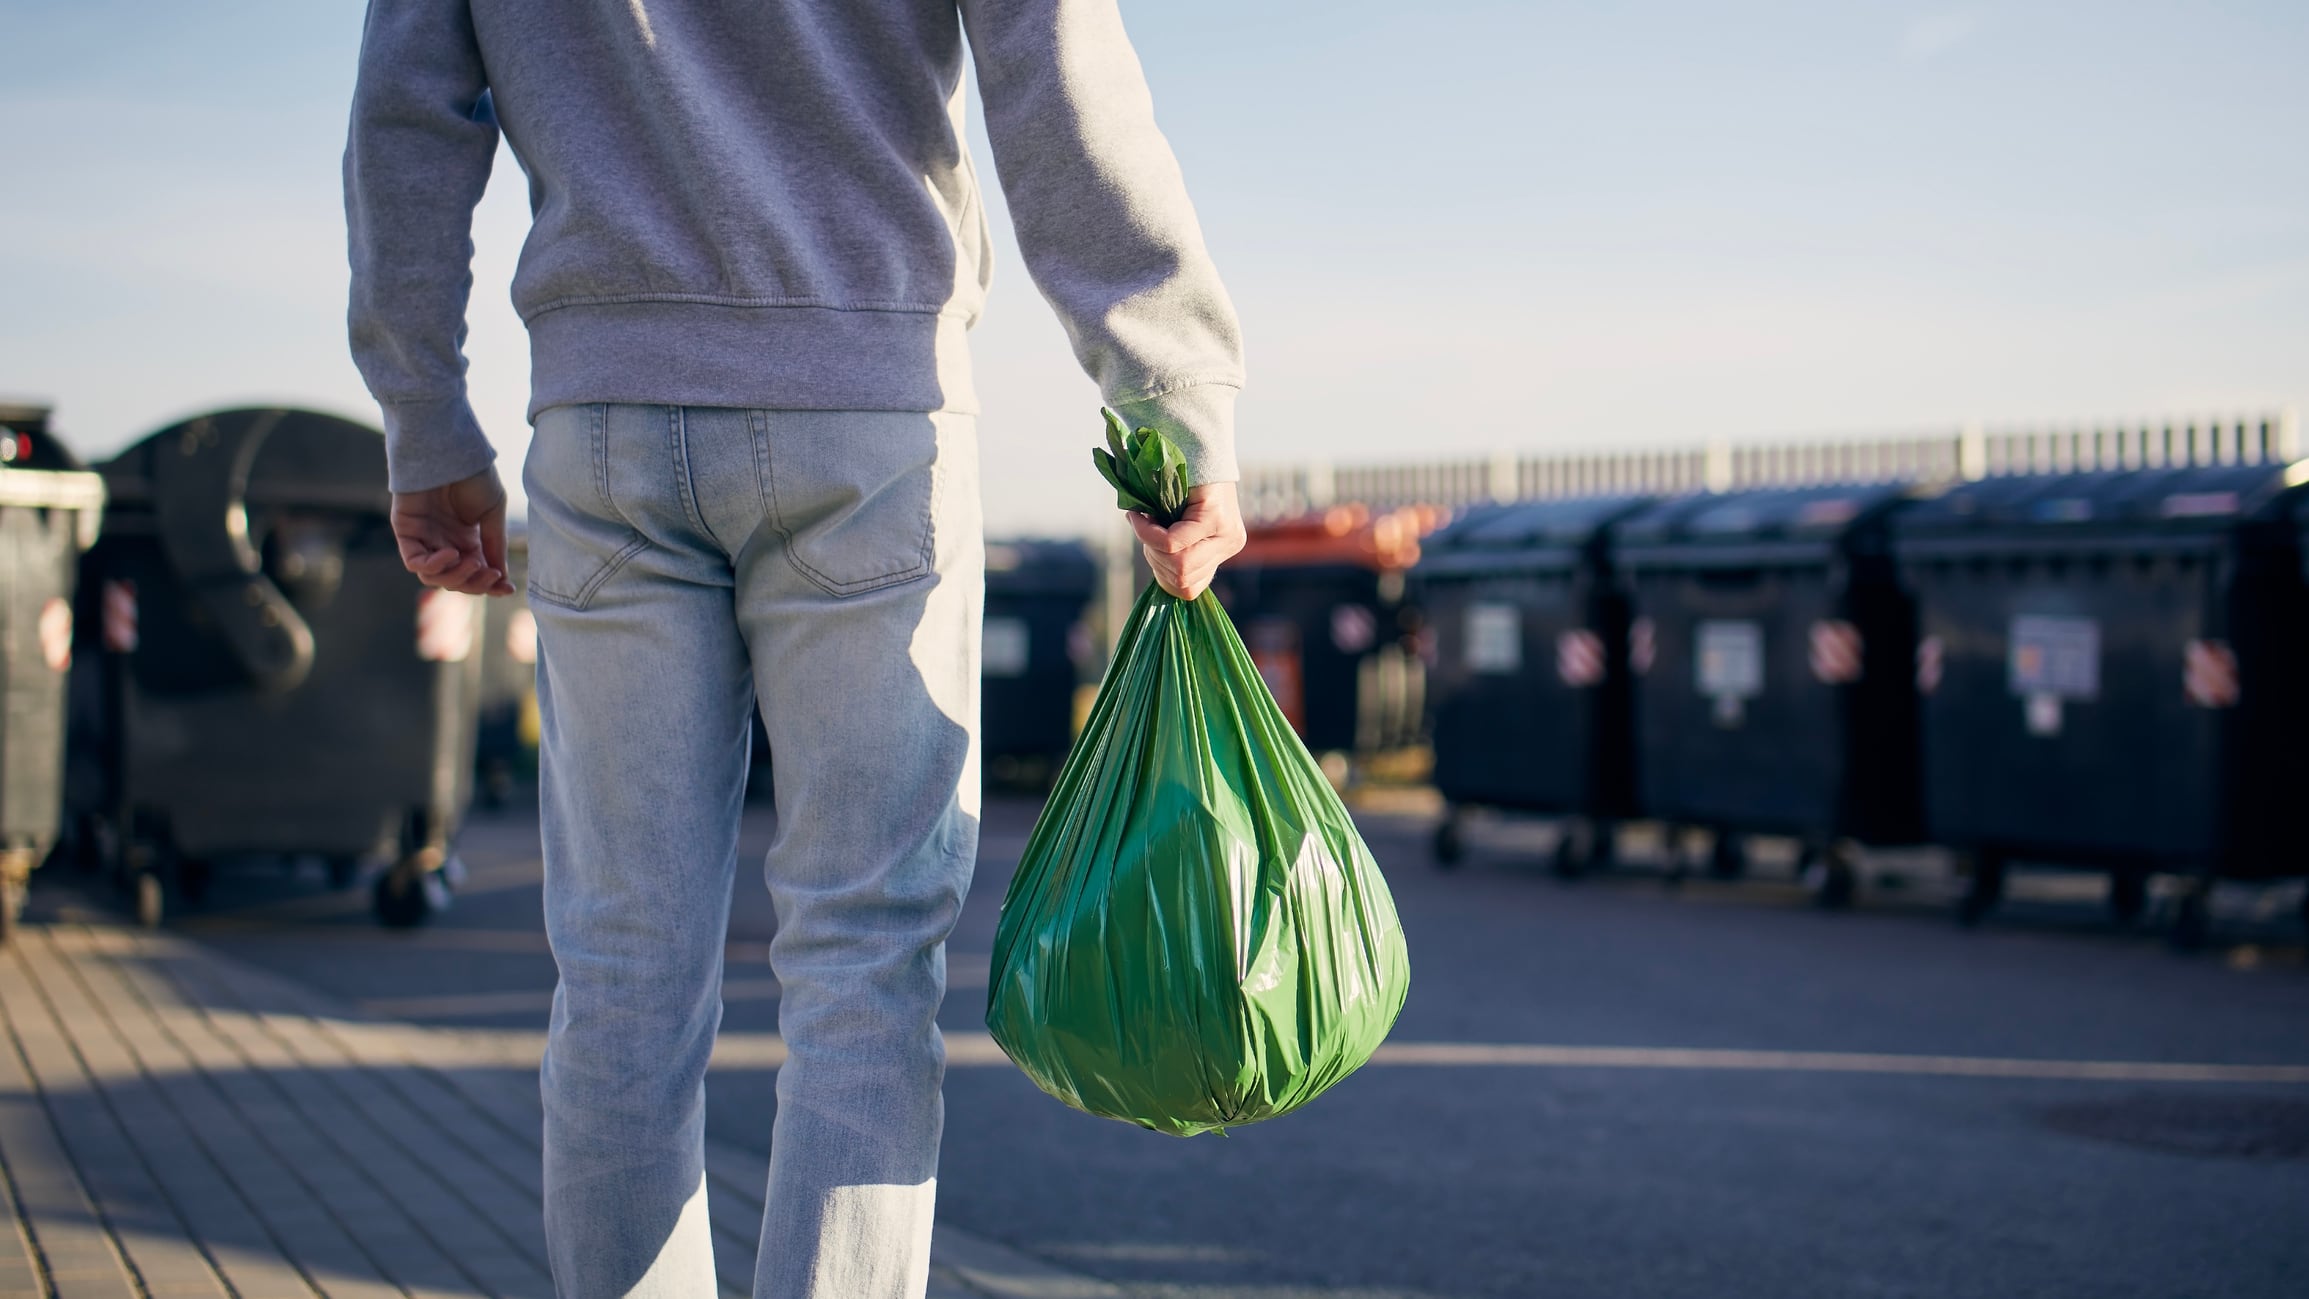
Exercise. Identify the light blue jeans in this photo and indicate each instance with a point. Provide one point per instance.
(685, 564)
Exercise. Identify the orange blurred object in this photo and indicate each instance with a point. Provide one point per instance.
(1344, 534)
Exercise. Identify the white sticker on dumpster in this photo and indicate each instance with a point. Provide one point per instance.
(1494, 638)
(1002, 648)
(1731, 660)
(2057, 658)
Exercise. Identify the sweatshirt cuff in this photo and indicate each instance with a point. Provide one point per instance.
(1200, 418)
(431, 444)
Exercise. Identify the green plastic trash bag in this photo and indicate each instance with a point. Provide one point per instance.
(1196, 936)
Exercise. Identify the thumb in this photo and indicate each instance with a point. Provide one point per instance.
(493, 537)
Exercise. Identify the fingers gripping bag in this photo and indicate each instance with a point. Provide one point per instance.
(1196, 937)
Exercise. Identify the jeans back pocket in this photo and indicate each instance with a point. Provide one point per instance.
(853, 493)
(577, 538)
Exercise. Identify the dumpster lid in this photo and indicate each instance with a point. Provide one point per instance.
(2198, 499)
(27, 442)
(1343, 536)
(304, 459)
(1547, 534)
(1813, 517)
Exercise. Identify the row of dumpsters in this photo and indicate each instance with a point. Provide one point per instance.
(2103, 670)
(213, 656)
(2106, 670)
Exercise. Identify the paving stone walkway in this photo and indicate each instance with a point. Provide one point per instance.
(175, 1124)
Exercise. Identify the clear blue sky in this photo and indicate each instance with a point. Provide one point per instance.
(1450, 227)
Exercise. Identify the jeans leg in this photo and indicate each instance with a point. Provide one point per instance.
(869, 692)
(643, 691)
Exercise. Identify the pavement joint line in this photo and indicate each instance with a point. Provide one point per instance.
(99, 1054)
(400, 1177)
(992, 1269)
(481, 1047)
(385, 1151)
(22, 1257)
(337, 1067)
(364, 1147)
(274, 1195)
(466, 1088)
(67, 1230)
(1463, 1054)
(256, 1169)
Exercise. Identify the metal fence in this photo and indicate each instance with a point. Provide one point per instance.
(1281, 491)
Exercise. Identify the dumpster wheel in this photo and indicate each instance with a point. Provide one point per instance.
(1984, 890)
(408, 894)
(1450, 845)
(151, 899)
(2193, 916)
(2128, 895)
(1829, 871)
(11, 910)
(1574, 848)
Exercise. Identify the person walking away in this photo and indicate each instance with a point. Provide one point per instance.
(756, 246)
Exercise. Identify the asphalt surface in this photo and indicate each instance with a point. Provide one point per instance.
(1721, 1171)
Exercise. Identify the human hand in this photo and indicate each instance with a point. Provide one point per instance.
(453, 537)
(1188, 553)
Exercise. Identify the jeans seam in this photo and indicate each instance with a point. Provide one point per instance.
(598, 437)
(584, 597)
(684, 486)
(765, 478)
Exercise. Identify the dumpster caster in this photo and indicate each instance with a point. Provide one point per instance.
(2193, 918)
(1828, 871)
(95, 844)
(1574, 850)
(15, 883)
(2128, 895)
(343, 871)
(1603, 845)
(1450, 846)
(1727, 857)
(150, 899)
(192, 881)
(409, 893)
(1984, 891)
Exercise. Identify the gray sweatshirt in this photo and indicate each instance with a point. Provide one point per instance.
(769, 203)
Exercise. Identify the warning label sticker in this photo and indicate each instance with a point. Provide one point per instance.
(1731, 660)
(1494, 638)
(1003, 647)
(2058, 658)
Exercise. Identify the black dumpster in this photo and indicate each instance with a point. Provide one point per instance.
(272, 683)
(505, 750)
(1771, 646)
(49, 513)
(1034, 649)
(2113, 673)
(1528, 692)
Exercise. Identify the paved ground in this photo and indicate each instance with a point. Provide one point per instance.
(177, 1125)
(1607, 1089)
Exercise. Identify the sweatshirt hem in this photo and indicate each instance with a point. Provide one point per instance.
(688, 351)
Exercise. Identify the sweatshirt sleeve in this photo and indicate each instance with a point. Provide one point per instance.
(417, 157)
(1104, 221)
